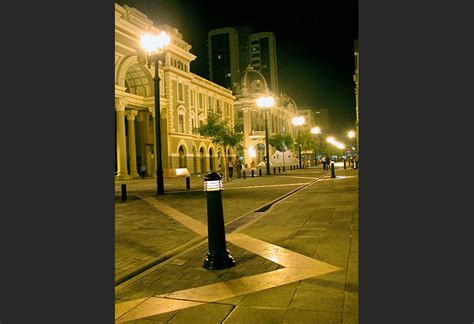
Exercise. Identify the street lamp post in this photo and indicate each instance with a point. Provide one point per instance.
(265, 103)
(298, 121)
(155, 45)
(351, 135)
(316, 130)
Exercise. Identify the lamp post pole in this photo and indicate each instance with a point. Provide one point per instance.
(266, 143)
(265, 103)
(159, 166)
(152, 44)
(299, 145)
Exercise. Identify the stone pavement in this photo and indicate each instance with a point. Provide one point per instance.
(297, 263)
(142, 231)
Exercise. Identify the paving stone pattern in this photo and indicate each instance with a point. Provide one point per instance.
(320, 221)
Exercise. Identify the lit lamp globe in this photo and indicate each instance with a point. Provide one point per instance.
(298, 121)
(152, 43)
(252, 153)
(265, 102)
(330, 139)
(316, 130)
(351, 134)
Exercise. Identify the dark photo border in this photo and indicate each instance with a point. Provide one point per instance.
(416, 174)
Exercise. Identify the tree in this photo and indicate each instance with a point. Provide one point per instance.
(220, 132)
(281, 142)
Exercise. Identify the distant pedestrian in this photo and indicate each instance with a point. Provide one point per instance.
(231, 168)
(323, 159)
(238, 166)
(143, 171)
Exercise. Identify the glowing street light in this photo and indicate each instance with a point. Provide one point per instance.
(298, 121)
(330, 139)
(351, 135)
(266, 103)
(316, 130)
(154, 46)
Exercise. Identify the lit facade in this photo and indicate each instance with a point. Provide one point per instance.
(252, 118)
(185, 99)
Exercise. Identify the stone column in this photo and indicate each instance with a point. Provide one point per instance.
(132, 150)
(121, 140)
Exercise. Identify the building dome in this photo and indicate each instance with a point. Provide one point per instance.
(253, 82)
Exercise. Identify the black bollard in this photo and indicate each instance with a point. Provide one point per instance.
(259, 172)
(333, 175)
(274, 170)
(124, 192)
(283, 168)
(253, 173)
(291, 167)
(279, 170)
(218, 256)
(244, 174)
(188, 183)
(345, 164)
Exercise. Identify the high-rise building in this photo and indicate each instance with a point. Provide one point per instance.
(244, 52)
(223, 49)
(263, 57)
(231, 51)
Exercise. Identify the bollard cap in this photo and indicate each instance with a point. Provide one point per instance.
(213, 182)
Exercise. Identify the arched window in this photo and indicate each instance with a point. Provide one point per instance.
(182, 157)
(181, 125)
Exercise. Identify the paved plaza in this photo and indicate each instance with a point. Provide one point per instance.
(294, 237)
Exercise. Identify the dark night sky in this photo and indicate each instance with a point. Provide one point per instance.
(314, 43)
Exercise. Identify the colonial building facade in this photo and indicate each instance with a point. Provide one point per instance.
(185, 99)
(252, 119)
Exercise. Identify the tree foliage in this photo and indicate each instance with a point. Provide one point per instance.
(281, 142)
(220, 131)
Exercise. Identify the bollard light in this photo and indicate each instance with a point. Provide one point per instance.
(213, 184)
(218, 256)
